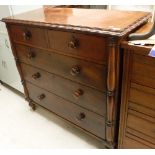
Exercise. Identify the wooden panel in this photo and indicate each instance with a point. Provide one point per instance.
(30, 35)
(77, 115)
(86, 46)
(137, 118)
(143, 70)
(142, 137)
(88, 98)
(90, 74)
(142, 95)
(129, 143)
(143, 124)
(142, 109)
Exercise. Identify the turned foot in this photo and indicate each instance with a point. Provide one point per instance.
(1, 82)
(32, 105)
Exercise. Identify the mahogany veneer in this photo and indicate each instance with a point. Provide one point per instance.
(69, 62)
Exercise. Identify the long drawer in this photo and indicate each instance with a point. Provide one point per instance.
(84, 72)
(82, 45)
(74, 92)
(83, 118)
(29, 35)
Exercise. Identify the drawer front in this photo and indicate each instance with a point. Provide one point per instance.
(81, 45)
(143, 124)
(143, 70)
(87, 120)
(84, 72)
(29, 35)
(74, 92)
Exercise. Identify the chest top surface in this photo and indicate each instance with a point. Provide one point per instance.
(112, 22)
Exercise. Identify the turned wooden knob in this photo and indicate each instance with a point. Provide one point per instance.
(36, 75)
(31, 55)
(41, 97)
(75, 70)
(78, 93)
(27, 35)
(73, 43)
(81, 116)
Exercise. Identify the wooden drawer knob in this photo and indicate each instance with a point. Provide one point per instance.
(81, 116)
(41, 97)
(27, 35)
(75, 70)
(78, 93)
(73, 43)
(36, 75)
(31, 55)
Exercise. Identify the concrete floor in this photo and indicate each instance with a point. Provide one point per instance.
(20, 127)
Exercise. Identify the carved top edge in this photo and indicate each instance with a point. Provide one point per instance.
(85, 29)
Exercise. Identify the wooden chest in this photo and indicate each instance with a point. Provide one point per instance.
(137, 118)
(69, 62)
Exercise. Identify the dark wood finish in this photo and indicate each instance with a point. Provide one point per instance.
(137, 117)
(69, 62)
(29, 35)
(91, 122)
(87, 46)
(74, 92)
(89, 74)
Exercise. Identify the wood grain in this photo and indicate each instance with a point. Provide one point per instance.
(88, 46)
(95, 21)
(92, 122)
(90, 99)
(37, 35)
(90, 74)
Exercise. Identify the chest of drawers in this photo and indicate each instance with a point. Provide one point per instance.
(69, 62)
(137, 117)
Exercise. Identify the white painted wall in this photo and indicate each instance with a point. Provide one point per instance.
(8, 10)
(4, 12)
(16, 9)
(147, 8)
(8, 69)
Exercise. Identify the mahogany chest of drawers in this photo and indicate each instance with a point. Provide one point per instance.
(137, 117)
(69, 62)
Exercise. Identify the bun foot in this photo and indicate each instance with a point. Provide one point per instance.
(32, 105)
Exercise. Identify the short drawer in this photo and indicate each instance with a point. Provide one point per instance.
(83, 118)
(29, 35)
(81, 45)
(83, 72)
(84, 96)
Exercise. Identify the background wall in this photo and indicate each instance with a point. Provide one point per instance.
(23, 8)
(146, 8)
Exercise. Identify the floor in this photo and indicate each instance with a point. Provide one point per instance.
(20, 127)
